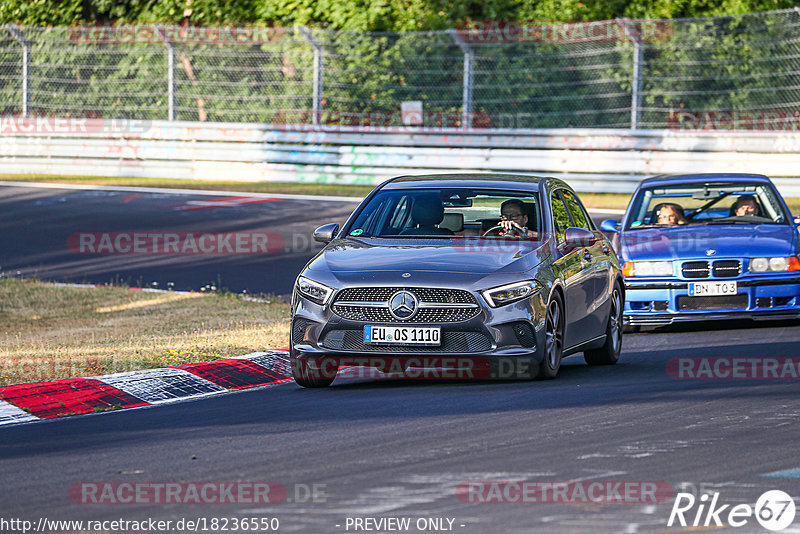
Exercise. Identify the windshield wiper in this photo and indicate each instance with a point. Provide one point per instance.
(728, 221)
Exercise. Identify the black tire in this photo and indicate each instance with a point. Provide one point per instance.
(554, 338)
(608, 354)
(313, 374)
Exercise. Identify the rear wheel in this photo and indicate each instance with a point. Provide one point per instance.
(313, 373)
(608, 354)
(553, 338)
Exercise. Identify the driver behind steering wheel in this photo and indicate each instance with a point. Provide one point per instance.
(514, 221)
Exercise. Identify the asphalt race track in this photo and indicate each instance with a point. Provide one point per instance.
(390, 448)
(37, 225)
(380, 448)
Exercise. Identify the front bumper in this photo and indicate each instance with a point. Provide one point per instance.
(657, 301)
(497, 338)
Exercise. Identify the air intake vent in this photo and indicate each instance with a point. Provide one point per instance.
(695, 269)
(727, 268)
(713, 303)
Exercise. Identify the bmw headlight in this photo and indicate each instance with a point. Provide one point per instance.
(647, 268)
(774, 265)
(502, 295)
(314, 291)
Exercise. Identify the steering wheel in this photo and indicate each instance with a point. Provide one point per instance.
(513, 232)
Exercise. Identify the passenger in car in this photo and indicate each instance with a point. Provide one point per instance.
(669, 213)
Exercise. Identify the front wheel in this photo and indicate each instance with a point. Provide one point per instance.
(313, 374)
(608, 354)
(553, 338)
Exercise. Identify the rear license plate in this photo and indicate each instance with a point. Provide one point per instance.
(702, 289)
(403, 335)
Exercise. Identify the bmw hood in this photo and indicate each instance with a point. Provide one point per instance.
(719, 241)
(346, 257)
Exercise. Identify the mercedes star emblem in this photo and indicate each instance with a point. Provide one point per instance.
(403, 305)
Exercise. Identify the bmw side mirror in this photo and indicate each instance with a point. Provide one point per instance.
(797, 220)
(578, 237)
(610, 225)
(326, 233)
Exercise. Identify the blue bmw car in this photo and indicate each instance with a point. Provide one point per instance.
(707, 246)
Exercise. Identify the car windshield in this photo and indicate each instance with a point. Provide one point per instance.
(707, 204)
(442, 213)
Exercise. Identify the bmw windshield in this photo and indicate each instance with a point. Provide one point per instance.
(707, 204)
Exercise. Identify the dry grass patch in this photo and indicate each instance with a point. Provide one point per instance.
(49, 332)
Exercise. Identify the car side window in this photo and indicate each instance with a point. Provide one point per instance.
(402, 214)
(560, 216)
(578, 217)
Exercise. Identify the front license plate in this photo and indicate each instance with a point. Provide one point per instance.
(403, 335)
(702, 289)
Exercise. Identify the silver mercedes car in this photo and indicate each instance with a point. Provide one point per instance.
(482, 275)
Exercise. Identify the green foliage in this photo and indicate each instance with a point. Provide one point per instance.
(40, 12)
(656, 9)
(739, 62)
(365, 15)
(383, 15)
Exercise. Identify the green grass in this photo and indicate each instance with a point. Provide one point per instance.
(49, 332)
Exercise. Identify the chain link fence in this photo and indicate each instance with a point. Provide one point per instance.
(739, 72)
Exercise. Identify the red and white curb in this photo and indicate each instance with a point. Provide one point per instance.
(23, 403)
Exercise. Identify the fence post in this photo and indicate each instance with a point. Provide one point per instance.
(172, 78)
(316, 99)
(636, 78)
(466, 91)
(26, 68)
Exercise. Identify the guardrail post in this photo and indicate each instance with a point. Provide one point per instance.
(316, 99)
(172, 74)
(466, 90)
(636, 77)
(26, 68)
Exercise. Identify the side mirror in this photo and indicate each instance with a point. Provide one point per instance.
(797, 220)
(610, 225)
(326, 233)
(578, 237)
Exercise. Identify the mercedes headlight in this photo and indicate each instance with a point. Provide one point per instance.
(314, 291)
(502, 295)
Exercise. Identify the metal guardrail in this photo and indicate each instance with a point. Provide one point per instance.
(590, 160)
